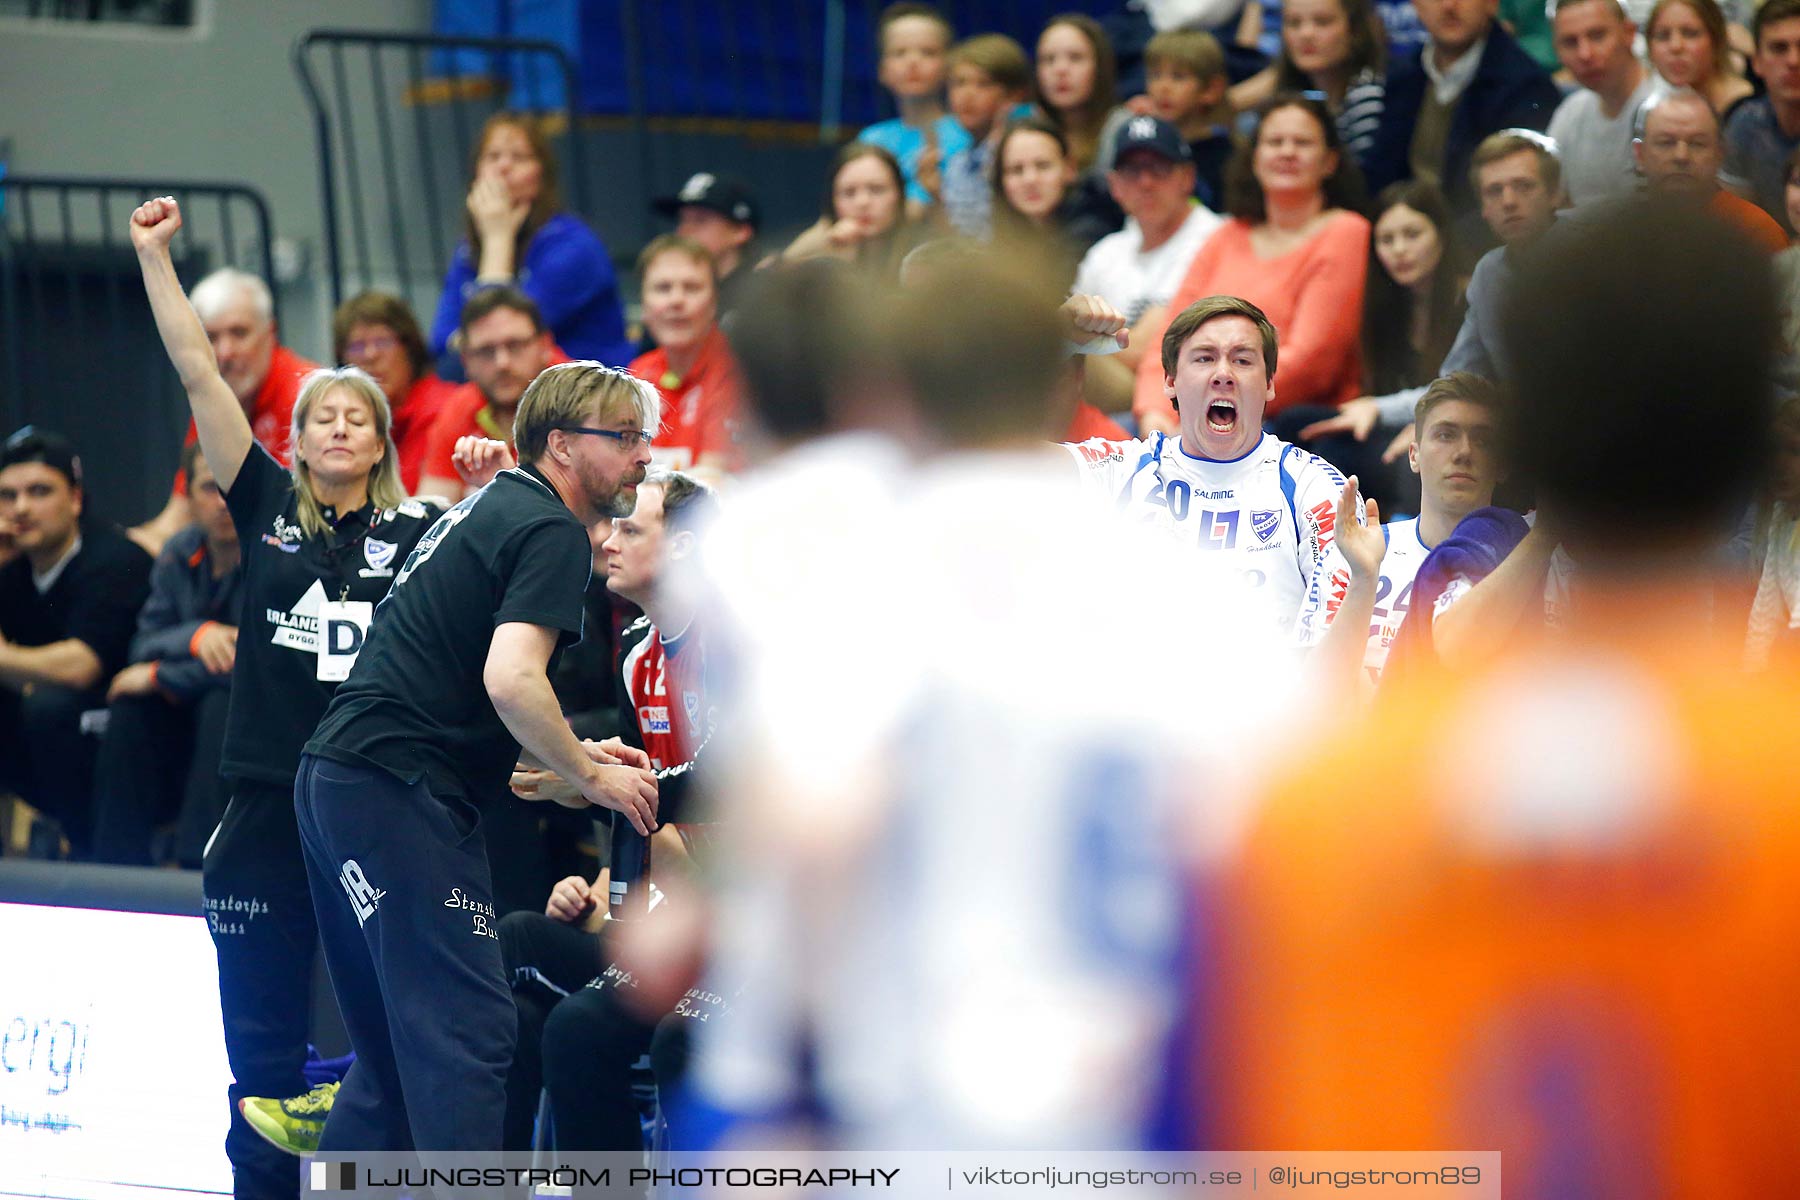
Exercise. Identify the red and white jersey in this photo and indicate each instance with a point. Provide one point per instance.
(665, 682)
(1393, 595)
(1269, 515)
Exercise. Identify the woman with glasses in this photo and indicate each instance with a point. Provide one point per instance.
(692, 365)
(378, 332)
(321, 545)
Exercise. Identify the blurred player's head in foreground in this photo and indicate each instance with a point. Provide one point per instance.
(978, 344)
(802, 337)
(1643, 407)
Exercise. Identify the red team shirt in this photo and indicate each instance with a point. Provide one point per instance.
(272, 412)
(414, 419)
(665, 682)
(700, 408)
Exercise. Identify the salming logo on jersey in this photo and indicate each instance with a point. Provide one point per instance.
(1270, 515)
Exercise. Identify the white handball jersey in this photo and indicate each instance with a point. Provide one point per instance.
(1268, 515)
(1393, 595)
(974, 935)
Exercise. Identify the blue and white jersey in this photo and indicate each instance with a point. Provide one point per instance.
(1393, 595)
(1270, 515)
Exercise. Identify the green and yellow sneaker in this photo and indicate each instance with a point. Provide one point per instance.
(293, 1124)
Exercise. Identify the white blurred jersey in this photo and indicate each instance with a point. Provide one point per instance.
(1269, 515)
(973, 921)
(1393, 595)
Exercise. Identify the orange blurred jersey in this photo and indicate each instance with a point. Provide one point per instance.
(1552, 910)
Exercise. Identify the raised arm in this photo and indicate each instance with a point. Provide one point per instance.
(224, 431)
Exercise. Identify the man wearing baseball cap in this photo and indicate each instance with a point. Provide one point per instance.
(721, 214)
(69, 600)
(1137, 269)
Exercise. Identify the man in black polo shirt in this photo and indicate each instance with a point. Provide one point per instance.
(451, 683)
(68, 604)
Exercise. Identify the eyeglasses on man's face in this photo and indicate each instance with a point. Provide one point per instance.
(628, 439)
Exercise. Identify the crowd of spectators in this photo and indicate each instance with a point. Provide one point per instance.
(1367, 182)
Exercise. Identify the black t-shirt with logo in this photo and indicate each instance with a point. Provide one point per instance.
(276, 695)
(415, 704)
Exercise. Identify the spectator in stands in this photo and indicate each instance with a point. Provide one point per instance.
(1764, 131)
(1076, 82)
(1336, 47)
(504, 346)
(990, 80)
(1185, 83)
(1592, 127)
(377, 332)
(692, 365)
(914, 41)
(165, 728)
(1679, 152)
(719, 213)
(238, 313)
(519, 235)
(1471, 81)
(1690, 47)
(1296, 247)
(864, 219)
(1036, 209)
(1411, 316)
(1137, 269)
(68, 601)
(1775, 613)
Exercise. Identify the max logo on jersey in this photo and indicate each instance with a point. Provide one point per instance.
(1264, 522)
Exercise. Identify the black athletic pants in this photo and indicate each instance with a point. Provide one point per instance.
(261, 913)
(45, 757)
(546, 960)
(159, 759)
(405, 908)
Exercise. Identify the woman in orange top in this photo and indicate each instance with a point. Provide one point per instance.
(1296, 247)
(692, 364)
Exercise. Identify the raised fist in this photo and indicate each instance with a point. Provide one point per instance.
(154, 222)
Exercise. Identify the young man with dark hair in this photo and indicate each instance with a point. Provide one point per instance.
(1765, 130)
(505, 344)
(68, 603)
(1221, 484)
(1457, 459)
